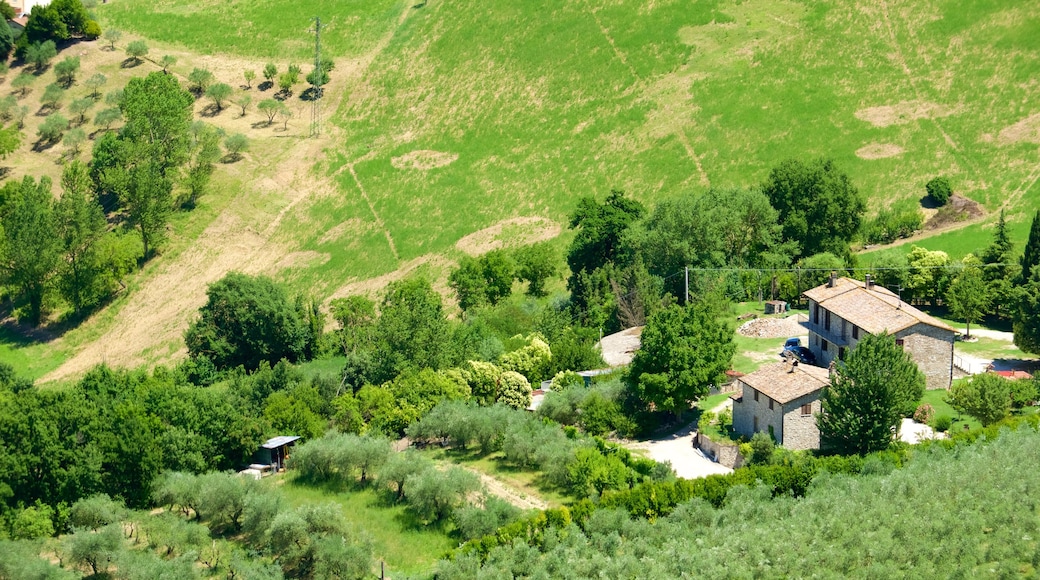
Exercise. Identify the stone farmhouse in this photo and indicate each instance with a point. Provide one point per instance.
(842, 310)
(781, 399)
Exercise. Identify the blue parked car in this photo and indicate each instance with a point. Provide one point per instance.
(793, 349)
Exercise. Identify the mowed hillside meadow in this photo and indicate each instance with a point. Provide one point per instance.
(459, 126)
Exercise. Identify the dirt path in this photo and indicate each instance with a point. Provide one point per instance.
(509, 493)
(150, 325)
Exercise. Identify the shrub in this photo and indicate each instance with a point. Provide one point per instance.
(248, 320)
(924, 414)
(762, 448)
(92, 30)
(939, 190)
(137, 50)
(889, 226)
(942, 423)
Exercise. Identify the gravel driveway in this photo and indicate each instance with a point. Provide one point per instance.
(677, 449)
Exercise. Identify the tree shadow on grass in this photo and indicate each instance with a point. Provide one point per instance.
(210, 111)
(131, 62)
(42, 145)
(312, 94)
(262, 124)
(265, 86)
(17, 334)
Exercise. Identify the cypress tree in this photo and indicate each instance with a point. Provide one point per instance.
(1031, 257)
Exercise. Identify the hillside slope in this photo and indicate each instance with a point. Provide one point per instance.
(465, 116)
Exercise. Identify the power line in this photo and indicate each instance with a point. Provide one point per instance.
(318, 77)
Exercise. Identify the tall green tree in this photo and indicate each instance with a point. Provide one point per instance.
(483, 280)
(158, 113)
(1031, 256)
(928, 274)
(597, 242)
(45, 24)
(412, 331)
(32, 249)
(820, 209)
(685, 350)
(247, 320)
(139, 164)
(536, 264)
(80, 225)
(968, 294)
(870, 391)
(1026, 321)
(987, 397)
(1000, 272)
(147, 195)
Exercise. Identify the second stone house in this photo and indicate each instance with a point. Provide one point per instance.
(781, 399)
(842, 310)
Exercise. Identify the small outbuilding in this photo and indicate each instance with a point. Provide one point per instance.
(275, 451)
(776, 307)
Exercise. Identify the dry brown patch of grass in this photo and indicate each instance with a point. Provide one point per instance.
(423, 159)
(517, 231)
(957, 210)
(879, 151)
(903, 112)
(1025, 131)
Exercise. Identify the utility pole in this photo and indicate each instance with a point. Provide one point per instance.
(686, 294)
(318, 77)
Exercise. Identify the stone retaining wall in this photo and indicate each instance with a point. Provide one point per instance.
(722, 453)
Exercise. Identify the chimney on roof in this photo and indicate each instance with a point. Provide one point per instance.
(830, 282)
(869, 282)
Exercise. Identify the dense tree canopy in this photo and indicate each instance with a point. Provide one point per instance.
(685, 350)
(723, 227)
(819, 207)
(870, 391)
(31, 253)
(987, 397)
(247, 320)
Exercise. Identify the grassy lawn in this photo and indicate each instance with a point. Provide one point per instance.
(397, 537)
(991, 348)
(529, 482)
(710, 402)
(276, 29)
(325, 366)
(752, 353)
(937, 399)
(29, 358)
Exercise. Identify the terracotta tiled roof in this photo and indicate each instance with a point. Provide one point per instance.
(783, 383)
(875, 310)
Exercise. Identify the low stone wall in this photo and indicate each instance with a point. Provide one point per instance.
(722, 453)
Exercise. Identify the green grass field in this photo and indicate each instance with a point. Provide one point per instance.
(534, 104)
(397, 537)
(276, 29)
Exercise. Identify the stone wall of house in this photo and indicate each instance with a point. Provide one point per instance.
(932, 350)
(800, 431)
(727, 454)
(745, 411)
